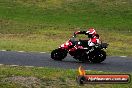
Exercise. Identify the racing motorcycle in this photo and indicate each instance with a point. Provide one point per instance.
(79, 50)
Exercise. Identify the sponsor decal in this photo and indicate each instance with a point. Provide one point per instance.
(84, 78)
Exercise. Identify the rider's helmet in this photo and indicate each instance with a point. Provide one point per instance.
(91, 32)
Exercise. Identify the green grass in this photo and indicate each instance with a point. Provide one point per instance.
(36, 77)
(42, 25)
(77, 13)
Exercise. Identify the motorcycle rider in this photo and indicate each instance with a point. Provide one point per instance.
(92, 35)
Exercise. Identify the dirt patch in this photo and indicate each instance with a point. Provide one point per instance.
(30, 82)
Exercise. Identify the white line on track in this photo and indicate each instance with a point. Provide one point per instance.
(21, 51)
(42, 52)
(3, 50)
(40, 67)
(123, 56)
(29, 66)
(14, 65)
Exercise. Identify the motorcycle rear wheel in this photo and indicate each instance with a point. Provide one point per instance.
(98, 57)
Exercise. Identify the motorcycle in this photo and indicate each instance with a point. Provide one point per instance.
(79, 50)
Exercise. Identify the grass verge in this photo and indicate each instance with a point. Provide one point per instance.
(36, 77)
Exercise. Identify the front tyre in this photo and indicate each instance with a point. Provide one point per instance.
(58, 54)
(98, 57)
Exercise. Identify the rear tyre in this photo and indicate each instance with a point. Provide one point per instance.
(98, 57)
(58, 54)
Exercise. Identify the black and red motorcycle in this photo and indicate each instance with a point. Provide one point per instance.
(79, 49)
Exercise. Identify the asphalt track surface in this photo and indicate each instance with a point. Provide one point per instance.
(111, 64)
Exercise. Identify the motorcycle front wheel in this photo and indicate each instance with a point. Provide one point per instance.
(58, 54)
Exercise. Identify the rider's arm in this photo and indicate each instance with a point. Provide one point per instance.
(80, 32)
